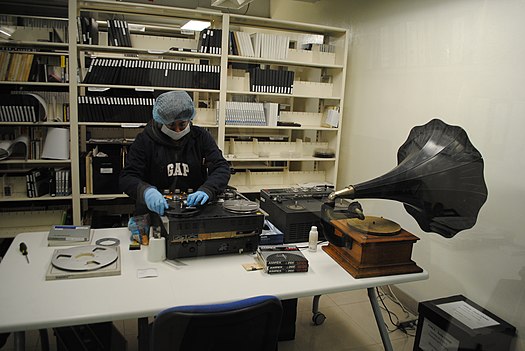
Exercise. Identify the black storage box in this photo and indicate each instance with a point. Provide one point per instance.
(90, 337)
(456, 323)
(106, 172)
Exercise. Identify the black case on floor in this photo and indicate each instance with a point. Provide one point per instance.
(90, 337)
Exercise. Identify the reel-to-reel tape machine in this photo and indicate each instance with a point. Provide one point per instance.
(232, 224)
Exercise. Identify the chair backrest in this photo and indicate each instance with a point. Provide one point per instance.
(250, 324)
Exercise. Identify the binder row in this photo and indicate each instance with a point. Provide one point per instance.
(210, 41)
(42, 181)
(20, 108)
(263, 45)
(245, 113)
(118, 33)
(87, 30)
(152, 73)
(271, 81)
(114, 109)
(54, 103)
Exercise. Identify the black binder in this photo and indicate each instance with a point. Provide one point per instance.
(106, 173)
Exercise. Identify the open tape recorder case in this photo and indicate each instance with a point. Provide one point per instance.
(232, 224)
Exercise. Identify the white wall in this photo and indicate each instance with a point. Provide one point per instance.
(464, 62)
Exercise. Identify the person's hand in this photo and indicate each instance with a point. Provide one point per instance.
(155, 201)
(197, 198)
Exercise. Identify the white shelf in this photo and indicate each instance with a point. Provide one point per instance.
(103, 196)
(41, 198)
(51, 84)
(15, 161)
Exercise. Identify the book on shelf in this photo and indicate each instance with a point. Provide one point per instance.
(282, 259)
(23, 107)
(39, 181)
(271, 80)
(33, 67)
(50, 181)
(331, 116)
(66, 235)
(210, 41)
(244, 113)
(87, 30)
(271, 110)
(115, 109)
(118, 33)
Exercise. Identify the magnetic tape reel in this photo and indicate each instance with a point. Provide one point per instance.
(240, 206)
(84, 258)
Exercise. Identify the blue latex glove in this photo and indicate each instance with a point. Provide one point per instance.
(155, 201)
(197, 198)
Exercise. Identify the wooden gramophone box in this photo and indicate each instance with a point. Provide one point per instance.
(379, 247)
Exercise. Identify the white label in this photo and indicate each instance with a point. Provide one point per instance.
(106, 170)
(433, 338)
(467, 314)
(147, 273)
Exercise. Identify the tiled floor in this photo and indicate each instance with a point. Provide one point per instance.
(349, 325)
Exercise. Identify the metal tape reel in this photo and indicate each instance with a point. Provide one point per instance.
(240, 206)
(84, 258)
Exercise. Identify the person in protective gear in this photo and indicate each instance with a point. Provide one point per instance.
(172, 153)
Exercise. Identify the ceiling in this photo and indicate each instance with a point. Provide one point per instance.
(58, 8)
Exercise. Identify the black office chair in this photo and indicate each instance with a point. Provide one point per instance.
(250, 324)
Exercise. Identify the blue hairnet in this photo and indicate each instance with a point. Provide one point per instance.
(173, 106)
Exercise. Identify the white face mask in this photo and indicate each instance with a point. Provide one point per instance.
(173, 134)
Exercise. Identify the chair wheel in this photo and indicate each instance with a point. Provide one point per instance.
(318, 318)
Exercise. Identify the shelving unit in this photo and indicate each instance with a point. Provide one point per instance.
(305, 105)
(26, 68)
(262, 156)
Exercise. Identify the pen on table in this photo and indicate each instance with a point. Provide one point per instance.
(23, 250)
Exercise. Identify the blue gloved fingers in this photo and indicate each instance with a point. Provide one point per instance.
(155, 201)
(197, 198)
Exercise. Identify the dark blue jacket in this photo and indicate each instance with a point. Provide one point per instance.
(191, 163)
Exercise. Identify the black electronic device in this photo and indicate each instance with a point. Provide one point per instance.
(231, 225)
(295, 210)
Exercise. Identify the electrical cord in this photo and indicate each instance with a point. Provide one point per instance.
(404, 327)
(390, 313)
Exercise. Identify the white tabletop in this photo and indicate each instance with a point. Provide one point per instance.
(28, 301)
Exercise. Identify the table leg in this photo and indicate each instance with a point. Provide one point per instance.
(20, 340)
(379, 319)
(143, 328)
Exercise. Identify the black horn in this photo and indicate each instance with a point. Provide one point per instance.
(439, 179)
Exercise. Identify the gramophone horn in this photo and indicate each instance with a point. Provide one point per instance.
(439, 179)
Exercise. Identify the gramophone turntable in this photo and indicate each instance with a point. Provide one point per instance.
(439, 179)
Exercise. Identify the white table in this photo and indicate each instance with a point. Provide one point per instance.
(28, 301)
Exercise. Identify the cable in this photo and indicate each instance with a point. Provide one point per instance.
(397, 301)
(388, 311)
(404, 327)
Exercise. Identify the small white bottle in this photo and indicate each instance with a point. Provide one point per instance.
(312, 239)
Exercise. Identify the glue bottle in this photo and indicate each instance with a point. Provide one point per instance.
(312, 239)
